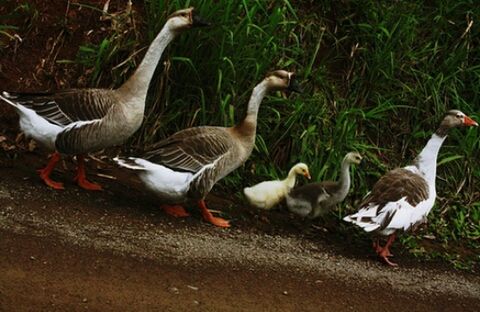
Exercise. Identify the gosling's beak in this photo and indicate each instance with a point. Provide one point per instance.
(307, 175)
(294, 86)
(467, 121)
(198, 21)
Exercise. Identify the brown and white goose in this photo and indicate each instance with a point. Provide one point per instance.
(315, 199)
(80, 121)
(186, 165)
(403, 197)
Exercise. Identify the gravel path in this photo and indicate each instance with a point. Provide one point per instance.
(112, 224)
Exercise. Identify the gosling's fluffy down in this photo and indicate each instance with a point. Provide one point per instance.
(268, 194)
(315, 199)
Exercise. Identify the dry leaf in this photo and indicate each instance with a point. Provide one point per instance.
(7, 147)
(32, 145)
(19, 137)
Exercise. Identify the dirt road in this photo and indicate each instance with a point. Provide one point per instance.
(74, 250)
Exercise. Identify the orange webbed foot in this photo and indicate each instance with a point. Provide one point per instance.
(390, 263)
(81, 177)
(379, 249)
(53, 184)
(87, 185)
(207, 216)
(45, 172)
(384, 254)
(175, 211)
(218, 221)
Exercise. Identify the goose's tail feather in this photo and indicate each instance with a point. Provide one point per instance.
(130, 163)
(5, 96)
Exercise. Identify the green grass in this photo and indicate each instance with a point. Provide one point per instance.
(114, 54)
(378, 77)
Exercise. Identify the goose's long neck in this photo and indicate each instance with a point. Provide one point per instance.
(138, 83)
(426, 161)
(344, 181)
(249, 124)
(291, 178)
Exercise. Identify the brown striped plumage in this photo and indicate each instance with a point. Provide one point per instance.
(97, 118)
(191, 149)
(215, 151)
(86, 114)
(80, 121)
(64, 107)
(186, 165)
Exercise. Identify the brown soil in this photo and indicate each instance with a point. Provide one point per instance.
(50, 32)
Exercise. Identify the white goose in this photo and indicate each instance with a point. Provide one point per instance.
(267, 194)
(80, 121)
(403, 197)
(186, 165)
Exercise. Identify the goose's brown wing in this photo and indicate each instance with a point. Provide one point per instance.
(82, 137)
(192, 149)
(395, 185)
(65, 107)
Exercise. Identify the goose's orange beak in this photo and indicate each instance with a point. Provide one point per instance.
(467, 121)
(307, 175)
